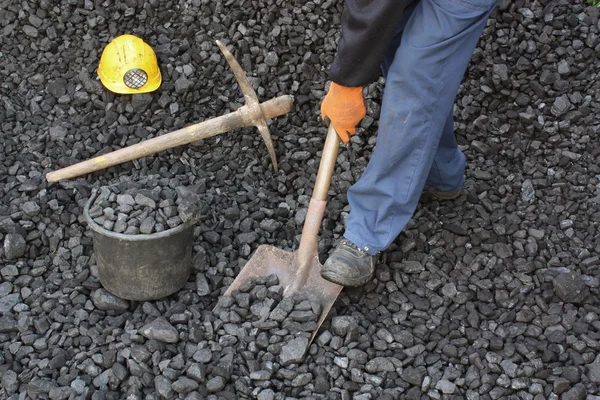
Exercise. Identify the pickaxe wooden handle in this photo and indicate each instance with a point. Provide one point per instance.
(251, 114)
(238, 119)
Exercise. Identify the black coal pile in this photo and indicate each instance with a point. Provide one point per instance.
(269, 335)
(148, 206)
(491, 296)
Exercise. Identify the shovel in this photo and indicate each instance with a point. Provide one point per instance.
(300, 271)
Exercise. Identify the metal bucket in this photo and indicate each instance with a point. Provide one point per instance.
(144, 266)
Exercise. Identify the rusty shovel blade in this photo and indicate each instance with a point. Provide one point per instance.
(268, 260)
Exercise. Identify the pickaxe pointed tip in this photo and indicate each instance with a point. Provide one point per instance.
(252, 104)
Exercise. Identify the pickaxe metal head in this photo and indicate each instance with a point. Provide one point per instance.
(251, 110)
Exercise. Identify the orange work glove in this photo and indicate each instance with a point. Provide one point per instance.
(345, 108)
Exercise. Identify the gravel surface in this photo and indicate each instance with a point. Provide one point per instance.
(492, 296)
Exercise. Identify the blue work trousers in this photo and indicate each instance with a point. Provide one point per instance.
(416, 145)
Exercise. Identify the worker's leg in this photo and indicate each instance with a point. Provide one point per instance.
(447, 171)
(422, 82)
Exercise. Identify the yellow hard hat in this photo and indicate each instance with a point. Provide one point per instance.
(128, 66)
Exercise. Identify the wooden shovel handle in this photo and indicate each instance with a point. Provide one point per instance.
(309, 242)
(238, 119)
(327, 165)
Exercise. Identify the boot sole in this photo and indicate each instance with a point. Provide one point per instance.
(441, 196)
(338, 279)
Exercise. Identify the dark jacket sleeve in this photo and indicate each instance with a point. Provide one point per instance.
(368, 27)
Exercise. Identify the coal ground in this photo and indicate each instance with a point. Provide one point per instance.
(492, 296)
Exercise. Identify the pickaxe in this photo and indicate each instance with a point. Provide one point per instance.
(252, 113)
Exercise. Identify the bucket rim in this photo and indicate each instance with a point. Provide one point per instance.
(138, 237)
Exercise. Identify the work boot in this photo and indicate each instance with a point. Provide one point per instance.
(348, 265)
(432, 194)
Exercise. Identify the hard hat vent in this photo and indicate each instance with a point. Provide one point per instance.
(135, 78)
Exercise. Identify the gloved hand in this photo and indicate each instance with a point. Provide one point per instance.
(345, 108)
